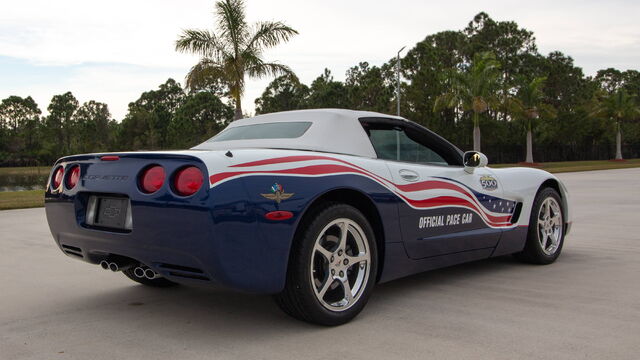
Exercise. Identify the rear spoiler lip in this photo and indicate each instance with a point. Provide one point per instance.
(186, 155)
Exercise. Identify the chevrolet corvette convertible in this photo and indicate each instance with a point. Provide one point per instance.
(312, 206)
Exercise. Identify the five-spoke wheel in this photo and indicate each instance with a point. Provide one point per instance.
(546, 229)
(332, 267)
(549, 225)
(340, 264)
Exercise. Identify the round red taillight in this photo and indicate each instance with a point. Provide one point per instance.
(188, 180)
(152, 179)
(73, 176)
(56, 180)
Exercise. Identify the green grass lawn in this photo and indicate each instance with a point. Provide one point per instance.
(35, 198)
(569, 166)
(21, 199)
(29, 170)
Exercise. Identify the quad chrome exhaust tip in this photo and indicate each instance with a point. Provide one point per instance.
(116, 266)
(150, 274)
(140, 270)
(145, 272)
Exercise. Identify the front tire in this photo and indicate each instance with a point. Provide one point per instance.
(546, 229)
(332, 267)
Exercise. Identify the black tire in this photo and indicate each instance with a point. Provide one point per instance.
(298, 299)
(533, 252)
(157, 282)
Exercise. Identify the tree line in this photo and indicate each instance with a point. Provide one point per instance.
(164, 118)
(485, 86)
(488, 78)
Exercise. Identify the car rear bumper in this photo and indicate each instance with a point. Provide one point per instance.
(183, 244)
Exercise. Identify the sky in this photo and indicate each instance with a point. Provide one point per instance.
(112, 51)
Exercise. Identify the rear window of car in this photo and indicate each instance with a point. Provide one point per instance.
(278, 130)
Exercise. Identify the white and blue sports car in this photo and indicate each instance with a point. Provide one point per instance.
(314, 206)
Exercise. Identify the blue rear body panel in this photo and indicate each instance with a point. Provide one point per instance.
(219, 235)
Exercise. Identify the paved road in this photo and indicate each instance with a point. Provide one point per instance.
(586, 305)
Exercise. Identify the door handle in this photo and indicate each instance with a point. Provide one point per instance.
(409, 175)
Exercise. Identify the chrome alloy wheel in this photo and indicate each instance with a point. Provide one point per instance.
(340, 264)
(550, 226)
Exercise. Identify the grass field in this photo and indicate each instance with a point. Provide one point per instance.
(21, 199)
(31, 170)
(35, 198)
(569, 166)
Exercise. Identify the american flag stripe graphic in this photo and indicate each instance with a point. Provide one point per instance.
(428, 194)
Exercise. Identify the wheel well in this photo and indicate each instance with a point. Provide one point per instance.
(361, 202)
(552, 183)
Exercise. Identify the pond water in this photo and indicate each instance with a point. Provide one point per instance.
(21, 182)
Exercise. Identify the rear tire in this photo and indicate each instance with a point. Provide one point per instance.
(332, 267)
(157, 282)
(545, 235)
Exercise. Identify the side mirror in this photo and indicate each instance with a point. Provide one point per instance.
(474, 159)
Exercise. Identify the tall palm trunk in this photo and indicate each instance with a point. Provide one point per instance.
(618, 143)
(529, 158)
(238, 113)
(476, 132)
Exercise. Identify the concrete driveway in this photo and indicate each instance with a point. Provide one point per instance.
(586, 305)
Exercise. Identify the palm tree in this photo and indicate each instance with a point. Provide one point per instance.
(618, 106)
(233, 51)
(528, 105)
(473, 90)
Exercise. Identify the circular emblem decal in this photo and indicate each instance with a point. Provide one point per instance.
(489, 183)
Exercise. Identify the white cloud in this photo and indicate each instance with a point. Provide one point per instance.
(114, 84)
(333, 33)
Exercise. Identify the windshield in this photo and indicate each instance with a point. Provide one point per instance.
(278, 130)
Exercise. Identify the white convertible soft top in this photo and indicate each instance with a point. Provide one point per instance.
(332, 130)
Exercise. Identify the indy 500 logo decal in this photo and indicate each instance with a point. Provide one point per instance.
(489, 183)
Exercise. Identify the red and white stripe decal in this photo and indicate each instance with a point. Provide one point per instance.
(465, 199)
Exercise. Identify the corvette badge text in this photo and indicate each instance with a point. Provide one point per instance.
(105, 177)
(445, 220)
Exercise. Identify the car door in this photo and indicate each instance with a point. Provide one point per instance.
(444, 209)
